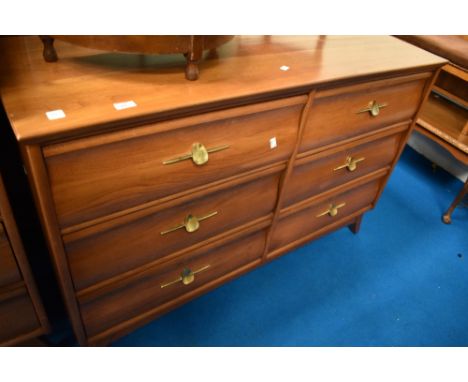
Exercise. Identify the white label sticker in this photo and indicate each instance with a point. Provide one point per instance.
(273, 143)
(55, 114)
(124, 105)
(284, 68)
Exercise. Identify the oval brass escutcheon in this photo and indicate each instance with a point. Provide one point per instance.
(333, 211)
(191, 223)
(199, 154)
(375, 109)
(187, 276)
(352, 165)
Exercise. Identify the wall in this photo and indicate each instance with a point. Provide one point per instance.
(438, 155)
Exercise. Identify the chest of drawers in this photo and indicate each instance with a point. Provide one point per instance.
(22, 315)
(282, 140)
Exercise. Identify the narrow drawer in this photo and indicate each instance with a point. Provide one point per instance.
(9, 272)
(17, 317)
(109, 253)
(97, 176)
(343, 116)
(311, 178)
(171, 281)
(308, 220)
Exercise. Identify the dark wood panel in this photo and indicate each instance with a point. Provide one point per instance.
(147, 293)
(319, 173)
(100, 180)
(100, 256)
(17, 317)
(23, 315)
(340, 116)
(8, 268)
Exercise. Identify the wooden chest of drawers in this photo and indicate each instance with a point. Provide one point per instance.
(22, 315)
(282, 140)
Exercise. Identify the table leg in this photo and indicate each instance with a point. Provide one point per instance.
(49, 53)
(356, 226)
(447, 217)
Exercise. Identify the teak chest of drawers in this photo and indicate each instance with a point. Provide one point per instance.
(283, 139)
(22, 315)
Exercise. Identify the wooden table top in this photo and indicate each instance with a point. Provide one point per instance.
(85, 83)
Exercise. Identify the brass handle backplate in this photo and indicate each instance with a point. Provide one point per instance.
(332, 210)
(199, 154)
(350, 164)
(191, 223)
(186, 276)
(373, 108)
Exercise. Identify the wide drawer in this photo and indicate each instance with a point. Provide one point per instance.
(97, 176)
(8, 268)
(105, 254)
(17, 317)
(310, 178)
(322, 213)
(169, 282)
(338, 117)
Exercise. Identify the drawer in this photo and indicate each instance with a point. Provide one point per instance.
(109, 253)
(311, 178)
(339, 117)
(9, 272)
(97, 176)
(313, 218)
(169, 282)
(17, 317)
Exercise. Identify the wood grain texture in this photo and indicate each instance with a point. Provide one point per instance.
(104, 195)
(340, 115)
(100, 180)
(446, 120)
(97, 257)
(86, 83)
(135, 299)
(9, 272)
(17, 318)
(38, 179)
(144, 44)
(318, 174)
(21, 311)
(300, 224)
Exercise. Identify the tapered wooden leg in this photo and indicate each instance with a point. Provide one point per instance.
(193, 56)
(447, 217)
(49, 53)
(191, 70)
(356, 226)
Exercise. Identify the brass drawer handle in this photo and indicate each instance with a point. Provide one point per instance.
(199, 154)
(332, 210)
(186, 276)
(191, 223)
(373, 108)
(351, 164)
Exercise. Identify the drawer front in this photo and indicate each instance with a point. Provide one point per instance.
(329, 171)
(9, 272)
(97, 180)
(304, 222)
(109, 253)
(17, 317)
(166, 284)
(343, 116)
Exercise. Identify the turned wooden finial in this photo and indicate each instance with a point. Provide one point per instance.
(192, 57)
(49, 53)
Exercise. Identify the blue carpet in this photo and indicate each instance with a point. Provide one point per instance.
(402, 281)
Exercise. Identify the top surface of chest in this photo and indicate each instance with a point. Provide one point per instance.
(86, 83)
